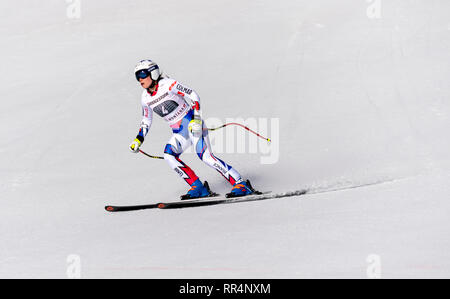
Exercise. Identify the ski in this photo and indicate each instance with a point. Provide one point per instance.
(130, 208)
(206, 201)
(159, 205)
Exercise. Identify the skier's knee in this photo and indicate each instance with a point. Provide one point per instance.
(170, 153)
(200, 149)
(200, 156)
(206, 157)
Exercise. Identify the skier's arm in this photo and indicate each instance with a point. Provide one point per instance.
(143, 130)
(146, 123)
(192, 98)
(189, 95)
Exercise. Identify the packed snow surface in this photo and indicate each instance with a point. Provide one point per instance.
(354, 94)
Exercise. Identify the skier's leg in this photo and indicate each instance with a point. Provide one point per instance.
(177, 144)
(204, 152)
(174, 148)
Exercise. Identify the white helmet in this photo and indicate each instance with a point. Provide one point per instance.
(147, 68)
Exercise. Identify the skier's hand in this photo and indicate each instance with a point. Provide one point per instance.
(135, 145)
(196, 126)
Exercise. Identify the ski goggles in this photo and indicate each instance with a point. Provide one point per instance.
(142, 74)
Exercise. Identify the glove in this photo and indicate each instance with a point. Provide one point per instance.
(134, 146)
(196, 126)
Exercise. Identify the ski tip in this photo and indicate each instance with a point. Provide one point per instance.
(110, 208)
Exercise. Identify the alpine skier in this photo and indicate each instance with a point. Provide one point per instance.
(180, 107)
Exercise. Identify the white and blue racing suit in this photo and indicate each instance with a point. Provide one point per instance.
(176, 103)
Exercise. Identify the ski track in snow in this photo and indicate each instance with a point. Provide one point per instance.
(362, 105)
(349, 184)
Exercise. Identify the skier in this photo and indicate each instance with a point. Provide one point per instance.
(179, 105)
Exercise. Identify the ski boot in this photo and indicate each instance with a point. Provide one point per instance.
(198, 190)
(242, 189)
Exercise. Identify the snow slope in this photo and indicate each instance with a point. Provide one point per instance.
(361, 99)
